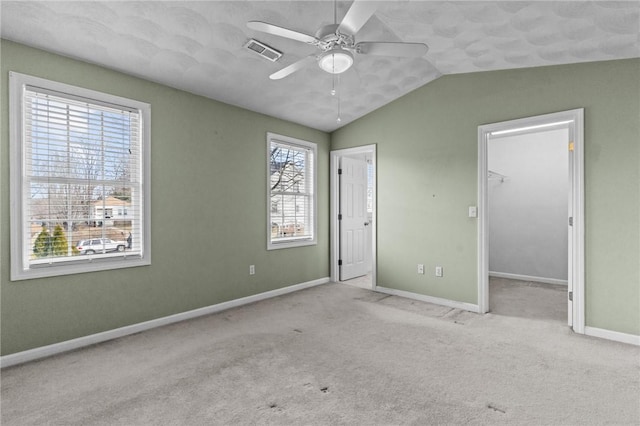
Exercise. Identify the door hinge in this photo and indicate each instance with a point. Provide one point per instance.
(339, 171)
(571, 221)
(340, 262)
(340, 217)
(571, 296)
(571, 146)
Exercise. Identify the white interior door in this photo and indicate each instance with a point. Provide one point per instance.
(570, 219)
(353, 218)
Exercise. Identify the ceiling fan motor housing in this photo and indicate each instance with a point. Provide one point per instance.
(329, 37)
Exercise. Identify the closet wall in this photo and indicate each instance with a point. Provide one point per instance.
(528, 205)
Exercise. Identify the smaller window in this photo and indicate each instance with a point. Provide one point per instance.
(291, 191)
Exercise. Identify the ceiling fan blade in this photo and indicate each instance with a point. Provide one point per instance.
(357, 15)
(391, 48)
(282, 32)
(293, 67)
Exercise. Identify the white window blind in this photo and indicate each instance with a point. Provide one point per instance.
(291, 192)
(81, 181)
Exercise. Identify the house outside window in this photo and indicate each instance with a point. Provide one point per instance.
(77, 156)
(291, 166)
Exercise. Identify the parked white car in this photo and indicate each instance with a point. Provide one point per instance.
(100, 245)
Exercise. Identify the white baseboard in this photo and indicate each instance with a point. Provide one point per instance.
(631, 339)
(527, 278)
(431, 299)
(68, 345)
(616, 336)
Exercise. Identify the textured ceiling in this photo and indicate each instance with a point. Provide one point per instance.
(198, 46)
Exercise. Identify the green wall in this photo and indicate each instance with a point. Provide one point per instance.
(427, 147)
(208, 196)
(208, 201)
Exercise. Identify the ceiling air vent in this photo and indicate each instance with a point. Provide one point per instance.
(263, 50)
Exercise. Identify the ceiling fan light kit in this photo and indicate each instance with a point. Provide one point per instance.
(336, 60)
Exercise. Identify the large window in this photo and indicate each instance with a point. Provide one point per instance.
(79, 179)
(291, 192)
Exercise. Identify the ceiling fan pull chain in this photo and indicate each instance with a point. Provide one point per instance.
(339, 119)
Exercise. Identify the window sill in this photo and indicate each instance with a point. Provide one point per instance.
(283, 244)
(94, 265)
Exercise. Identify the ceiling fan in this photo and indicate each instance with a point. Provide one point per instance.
(337, 43)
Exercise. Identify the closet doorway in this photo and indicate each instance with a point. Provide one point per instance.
(527, 215)
(531, 229)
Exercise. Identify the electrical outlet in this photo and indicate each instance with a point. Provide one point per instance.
(420, 268)
(438, 271)
(252, 269)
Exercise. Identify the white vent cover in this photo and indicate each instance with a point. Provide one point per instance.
(263, 50)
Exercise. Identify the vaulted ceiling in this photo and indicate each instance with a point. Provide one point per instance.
(199, 46)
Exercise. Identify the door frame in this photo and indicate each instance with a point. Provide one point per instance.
(334, 194)
(574, 121)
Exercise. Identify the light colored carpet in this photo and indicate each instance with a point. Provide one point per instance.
(361, 282)
(527, 299)
(335, 354)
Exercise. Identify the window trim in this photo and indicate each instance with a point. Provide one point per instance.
(19, 270)
(293, 241)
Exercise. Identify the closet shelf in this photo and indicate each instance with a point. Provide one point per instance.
(491, 175)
